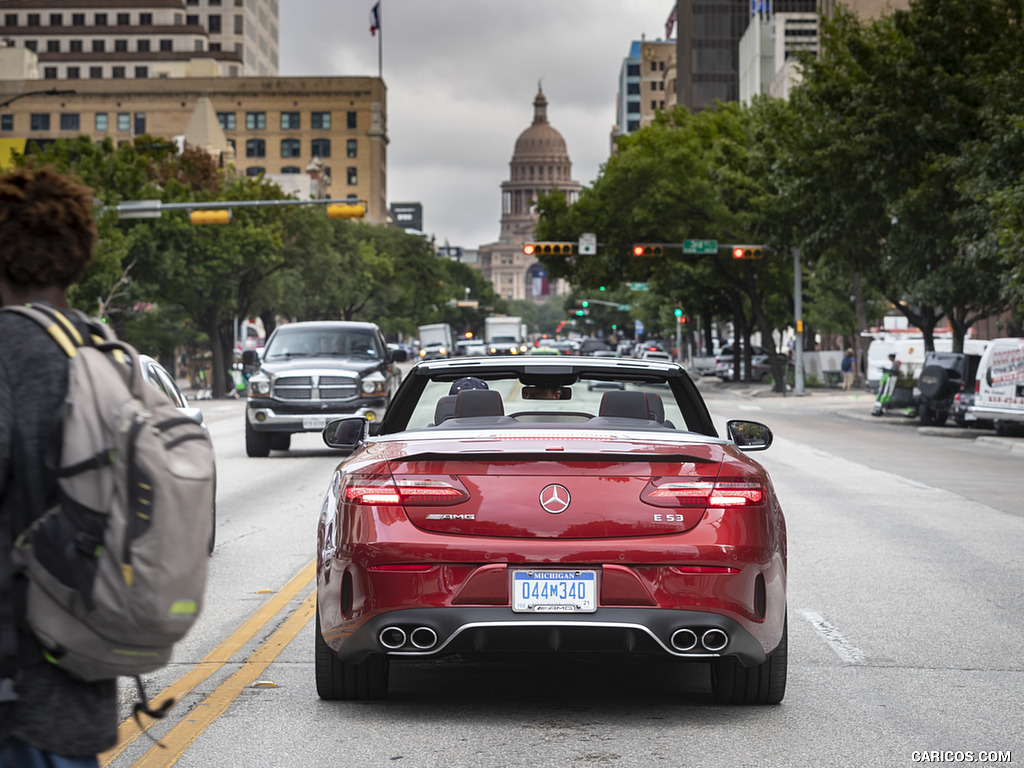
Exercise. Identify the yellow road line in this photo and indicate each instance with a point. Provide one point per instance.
(181, 736)
(129, 730)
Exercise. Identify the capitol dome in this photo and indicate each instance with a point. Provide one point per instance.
(540, 140)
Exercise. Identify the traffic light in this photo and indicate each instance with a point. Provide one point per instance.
(679, 312)
(548, 249)
(748, 252)
(601, 288)
(641, 250)
(220, 216)
(586, 303)
(346, 211)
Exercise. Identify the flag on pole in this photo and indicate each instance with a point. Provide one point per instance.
(375, 18)
(670, 24)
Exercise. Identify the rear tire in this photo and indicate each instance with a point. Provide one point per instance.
(339, 680)
(257, 444)
(280, 441)
(926, 414)
(732, 683)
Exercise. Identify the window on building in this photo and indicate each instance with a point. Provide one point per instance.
(291, 148)
(239, 24)
(256, 121)
(213, 23)
(74, 73)
(6, 122)
(198, 45)
(99, 20)
(140, 123)
(142, 46)
(69, 121)
(321, 121)
(255, 170)
(633, 107)
(352, 148)
(124, 121)
(321, 148)
(214, 46)
(102, 121)
(290, 121)
(633, 70)
(633, 125)
(633, 89)
(141, 73)
(50, 73)
(121, 46)
(226, 120)
(191, 2)
(214, 2)
(117, 73)
(75, 46)
(96, 73)
(166, 45)
(291, 169)
(99, 46)
(255, 148)
(33, 20)
(56, 19)
(352, 175)
(192, 19)
(31, 45)
(10, 19)
(78, 19)
(53, 46)
(39, 121)
(654, 105)
(351, 119)
(233, 70)
(145, 19)
(124, 19)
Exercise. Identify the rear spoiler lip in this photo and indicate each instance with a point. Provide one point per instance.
(593, 457)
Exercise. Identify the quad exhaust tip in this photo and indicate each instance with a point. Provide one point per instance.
(392, 638)
(714, 640)
(423, 638)
(420, 638)
(684, 640)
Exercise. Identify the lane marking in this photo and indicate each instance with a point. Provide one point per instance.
(181, 736)
(847, 651)
(128, 731)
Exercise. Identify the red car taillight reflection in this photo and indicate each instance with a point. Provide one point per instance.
(407, 491)
(667, 492)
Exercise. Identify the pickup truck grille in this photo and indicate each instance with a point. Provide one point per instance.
(307, 388)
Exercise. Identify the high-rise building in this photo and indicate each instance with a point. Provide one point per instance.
(540, 165)
(138, 39)
(646, 84)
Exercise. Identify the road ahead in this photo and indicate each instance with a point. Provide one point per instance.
(904, 618)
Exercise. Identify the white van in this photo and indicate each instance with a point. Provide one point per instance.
(910, 354)
(999, 391)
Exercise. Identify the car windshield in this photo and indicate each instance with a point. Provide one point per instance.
(321, 343)
(600, 399)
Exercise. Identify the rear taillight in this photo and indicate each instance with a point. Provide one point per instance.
(411, 491)
(668, 492)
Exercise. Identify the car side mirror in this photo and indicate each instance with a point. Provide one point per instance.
(399, 355)
(749, 435)
(347, 433)
(250, 360)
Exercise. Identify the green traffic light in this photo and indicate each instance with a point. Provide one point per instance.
(602, 288)
(679, 312)
(586, 303)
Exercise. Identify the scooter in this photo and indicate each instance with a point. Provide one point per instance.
(886, 385)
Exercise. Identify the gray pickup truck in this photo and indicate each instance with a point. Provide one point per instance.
(312, 373)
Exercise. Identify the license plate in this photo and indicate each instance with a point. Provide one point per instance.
(554, 591)
(314, 422)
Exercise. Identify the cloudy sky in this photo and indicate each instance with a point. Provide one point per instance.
(461, 78)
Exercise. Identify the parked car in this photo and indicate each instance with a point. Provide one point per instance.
(159, 377)
(590, 346)
(999, 387)
(313, 372)
(527, 513)
(760, 361)
(944, 375)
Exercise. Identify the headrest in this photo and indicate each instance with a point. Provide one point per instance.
(478, 402)
(655, 406)
(620, 404)
(445, 409)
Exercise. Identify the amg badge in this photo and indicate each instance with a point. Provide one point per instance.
(451, 517)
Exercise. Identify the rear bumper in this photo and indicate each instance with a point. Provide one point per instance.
(989, 412)
(435, 632)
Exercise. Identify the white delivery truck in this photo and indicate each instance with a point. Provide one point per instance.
(999, 388)
(436, 341)
(505, 335)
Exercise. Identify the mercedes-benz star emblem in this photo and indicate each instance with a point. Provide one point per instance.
(555, 499)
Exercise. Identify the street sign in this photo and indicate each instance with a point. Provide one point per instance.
(587, 244)
(638, 286)
(625, 307)
(700, 246)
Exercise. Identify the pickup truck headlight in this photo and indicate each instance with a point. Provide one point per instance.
(374, 385)
(259, 386)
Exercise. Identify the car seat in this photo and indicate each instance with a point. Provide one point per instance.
(624, 405)
(478, 402)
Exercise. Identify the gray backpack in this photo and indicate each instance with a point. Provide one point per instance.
(117, 568)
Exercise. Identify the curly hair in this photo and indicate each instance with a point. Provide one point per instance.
(47, 229)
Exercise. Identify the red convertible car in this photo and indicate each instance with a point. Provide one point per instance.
(568, 505)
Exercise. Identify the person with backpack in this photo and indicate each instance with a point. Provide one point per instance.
(48, 233)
